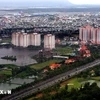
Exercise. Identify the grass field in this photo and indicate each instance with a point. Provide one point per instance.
(22, 74)
(72, 83)
(96, 78)
(77, 82)
(44, 64)
(64, 50)
(5, 72)
(10, 66)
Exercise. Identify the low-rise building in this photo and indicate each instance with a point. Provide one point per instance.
(71, 60)
(53, 66)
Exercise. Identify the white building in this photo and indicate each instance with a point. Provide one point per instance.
(89, 33)
(35, 39)
(98, 36)
(24, 39)
(25, 44)
(28, 39)
(21, 40)
(17, 39)
(14, 38)
(49, 41)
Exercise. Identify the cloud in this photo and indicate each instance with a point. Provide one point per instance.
(85, 1)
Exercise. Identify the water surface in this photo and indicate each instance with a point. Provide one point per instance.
(23, 56)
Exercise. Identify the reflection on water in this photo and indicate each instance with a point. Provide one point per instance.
(23, 56)
(13, 83)
(7, 86)
(21, 81)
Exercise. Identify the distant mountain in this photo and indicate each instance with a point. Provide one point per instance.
(89, 6)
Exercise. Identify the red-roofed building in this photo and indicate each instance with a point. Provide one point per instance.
(83, 48)
(53, 66)
(84, 51)
(87, 51)
(68, 61)
(87, 55)
(45, 70)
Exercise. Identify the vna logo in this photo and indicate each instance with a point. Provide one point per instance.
(5, 91)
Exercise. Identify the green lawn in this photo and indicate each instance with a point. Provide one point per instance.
(10, 66)
(77, 82)
(96, 78)
(64, 50)
(22, 74)
(6, 72)
(44, 64)
(72, 83)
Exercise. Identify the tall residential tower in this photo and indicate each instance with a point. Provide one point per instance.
(49, 41)
(89, 33)
(24, 39)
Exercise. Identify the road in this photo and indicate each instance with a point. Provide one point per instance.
(51, 81)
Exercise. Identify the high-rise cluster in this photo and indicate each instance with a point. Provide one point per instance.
(24, 39)
(49, 41)
(89, 33)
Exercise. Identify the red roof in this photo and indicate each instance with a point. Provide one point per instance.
(87, 55)
(53, 66)
(83, 48)
(45, 70)
(70, 60)
(87, 51)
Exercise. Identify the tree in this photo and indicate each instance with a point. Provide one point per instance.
(84, 97)
(66, 87)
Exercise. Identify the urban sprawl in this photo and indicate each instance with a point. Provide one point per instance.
(60, 46)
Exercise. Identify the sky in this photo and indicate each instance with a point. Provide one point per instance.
(51, 3)
(85, 1)
(73, 1)
(30, 3)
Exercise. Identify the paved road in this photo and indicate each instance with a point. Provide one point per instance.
(51, 81)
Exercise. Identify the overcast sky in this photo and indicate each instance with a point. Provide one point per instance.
(73, 1)
(30, 3)
(31, 0)
(85, 1)
(51, 3)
